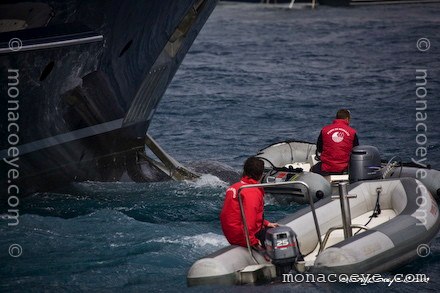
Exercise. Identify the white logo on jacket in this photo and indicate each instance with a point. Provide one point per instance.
(234, 192)
(338, 136)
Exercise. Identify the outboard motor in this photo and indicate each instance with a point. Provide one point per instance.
(365, 163)
(282, 247)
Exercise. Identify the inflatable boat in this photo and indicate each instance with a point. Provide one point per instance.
(372, 226)
(293, 160)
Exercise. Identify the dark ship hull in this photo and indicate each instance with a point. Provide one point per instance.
(81, 81)
(260, 1)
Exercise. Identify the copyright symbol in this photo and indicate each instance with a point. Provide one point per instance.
(15, 250)
(423, 250)
(423, 44)
(15, 44)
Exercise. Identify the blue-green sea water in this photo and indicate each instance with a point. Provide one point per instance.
(254, 76)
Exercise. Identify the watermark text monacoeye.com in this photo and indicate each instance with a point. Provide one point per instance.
(12, 158)
(421, 120)
(13, 140)
(421, 138)
(362, 279)
(421, 93)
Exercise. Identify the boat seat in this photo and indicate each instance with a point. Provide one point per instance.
(338, 235)
(335, 178)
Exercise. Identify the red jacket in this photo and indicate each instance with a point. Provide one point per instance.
(230, 216)
(338, 140)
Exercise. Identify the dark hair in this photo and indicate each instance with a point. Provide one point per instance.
(343, 114)
(253, 168)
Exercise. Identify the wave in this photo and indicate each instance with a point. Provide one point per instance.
(196, 241)
(207, 180)
(4, 216)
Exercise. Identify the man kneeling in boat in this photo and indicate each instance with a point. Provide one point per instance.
(335, 143)
(253, 203)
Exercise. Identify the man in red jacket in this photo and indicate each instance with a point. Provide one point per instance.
(335, 143)
(253, 203)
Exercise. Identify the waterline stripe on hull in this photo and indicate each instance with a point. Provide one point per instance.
(66, 137)
(51, 45)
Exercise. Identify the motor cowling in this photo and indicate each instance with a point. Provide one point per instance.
(365, 163)
(282, 248)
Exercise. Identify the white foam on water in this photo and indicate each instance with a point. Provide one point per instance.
(4, 216)
(269, 200)
(206, 239)
(196, 241)
(207, 180)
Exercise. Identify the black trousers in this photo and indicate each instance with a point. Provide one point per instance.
(317, 168)
(261, 235)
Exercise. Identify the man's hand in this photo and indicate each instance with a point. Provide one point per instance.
(273, 225)
(318, 156)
